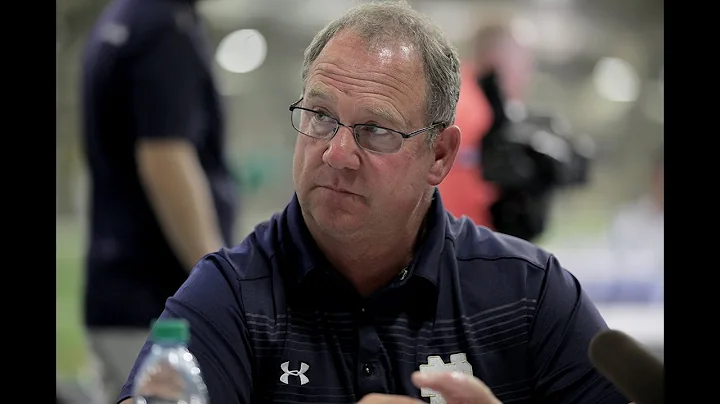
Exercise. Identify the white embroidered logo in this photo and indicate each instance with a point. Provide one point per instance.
(299, 373)
(458, 363)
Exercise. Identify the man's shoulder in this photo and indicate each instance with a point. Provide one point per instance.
(157, 13)
(128, 25)
(251, 258)
(478, 243)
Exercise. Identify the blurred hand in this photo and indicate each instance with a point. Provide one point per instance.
(388, 399)
(454, 387)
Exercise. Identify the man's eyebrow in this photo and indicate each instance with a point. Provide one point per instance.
(383, 113)
(316, 92)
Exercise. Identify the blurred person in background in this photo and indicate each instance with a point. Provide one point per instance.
(511, 159)
(493, 53)
(161, 192)
(637, 239)
(464, 190)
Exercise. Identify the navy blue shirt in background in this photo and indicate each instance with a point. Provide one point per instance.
(272, 322)
(146, 75)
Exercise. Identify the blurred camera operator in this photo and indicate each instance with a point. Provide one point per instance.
(492, 51)
(511, 159)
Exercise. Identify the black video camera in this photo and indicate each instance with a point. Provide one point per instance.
(528, 156)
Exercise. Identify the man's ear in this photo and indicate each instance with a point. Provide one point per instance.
(445, 149)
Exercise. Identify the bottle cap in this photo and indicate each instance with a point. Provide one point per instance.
(170, 330)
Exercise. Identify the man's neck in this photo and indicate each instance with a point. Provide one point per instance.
(372, 259)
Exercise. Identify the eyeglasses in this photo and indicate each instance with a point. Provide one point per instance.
(320, 125)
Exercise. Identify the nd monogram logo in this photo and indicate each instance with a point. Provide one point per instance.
(458, 363)
(298, 373)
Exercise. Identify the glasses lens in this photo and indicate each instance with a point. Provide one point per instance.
(377, 139)
(313, 124)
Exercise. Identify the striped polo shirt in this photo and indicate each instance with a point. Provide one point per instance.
(272, 322)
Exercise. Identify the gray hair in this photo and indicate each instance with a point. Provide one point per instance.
(376, 22)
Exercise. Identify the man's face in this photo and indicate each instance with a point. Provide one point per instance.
(343, 188)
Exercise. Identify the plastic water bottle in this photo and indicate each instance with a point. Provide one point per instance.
(170, 374)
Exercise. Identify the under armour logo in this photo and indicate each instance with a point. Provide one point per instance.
(299, 373)
(458, 363)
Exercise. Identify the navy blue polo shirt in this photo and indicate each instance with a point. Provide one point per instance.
(146, 74)
(273, 322)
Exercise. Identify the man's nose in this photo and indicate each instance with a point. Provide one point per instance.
(342, 151)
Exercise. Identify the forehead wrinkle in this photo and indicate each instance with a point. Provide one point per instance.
(317, 92)
(405, 89)
(392, 82)
(397, 120)
(325, 68)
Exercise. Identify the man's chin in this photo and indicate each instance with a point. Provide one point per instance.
(339, 223)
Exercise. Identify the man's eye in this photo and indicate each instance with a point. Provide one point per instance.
(374, 130)
(322, 117)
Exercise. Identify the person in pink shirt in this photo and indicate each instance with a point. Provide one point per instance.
(464, 190)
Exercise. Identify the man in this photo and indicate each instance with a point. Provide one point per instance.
(161, 193)
(364, 278)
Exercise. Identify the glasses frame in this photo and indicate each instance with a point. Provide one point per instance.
(404, 136)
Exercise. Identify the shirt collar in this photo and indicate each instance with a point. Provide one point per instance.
(426, 260)
(300, 245)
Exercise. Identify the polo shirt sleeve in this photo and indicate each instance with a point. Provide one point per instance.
(209, 300)
(164, 84)
(565, 322)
